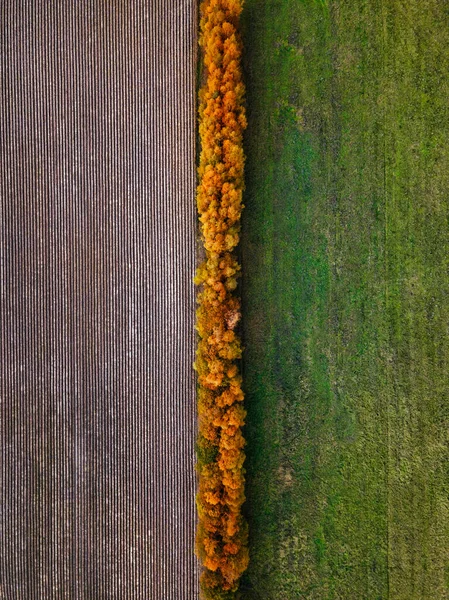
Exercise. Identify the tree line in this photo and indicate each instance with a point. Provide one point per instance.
(222, 534)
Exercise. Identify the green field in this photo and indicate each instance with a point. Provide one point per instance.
(345, 287)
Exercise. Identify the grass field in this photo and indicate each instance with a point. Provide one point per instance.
(345, 287)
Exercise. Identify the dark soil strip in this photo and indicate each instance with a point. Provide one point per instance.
(97, 256)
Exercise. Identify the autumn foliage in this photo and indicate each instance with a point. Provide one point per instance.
(222, 532)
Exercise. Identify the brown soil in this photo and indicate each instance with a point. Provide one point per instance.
(97, 257)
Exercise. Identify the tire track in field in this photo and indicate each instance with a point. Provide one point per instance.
(97, 255)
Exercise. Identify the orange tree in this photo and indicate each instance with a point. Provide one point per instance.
(222, 536)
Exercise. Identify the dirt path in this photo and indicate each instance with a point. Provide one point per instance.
(97, 242)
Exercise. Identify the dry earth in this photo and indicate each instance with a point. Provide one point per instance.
(97, 242)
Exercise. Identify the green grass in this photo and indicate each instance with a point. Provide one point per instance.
(345, 251)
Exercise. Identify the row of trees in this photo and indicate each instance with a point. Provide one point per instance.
(222, 536)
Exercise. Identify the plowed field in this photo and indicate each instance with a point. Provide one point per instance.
(97, 242)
